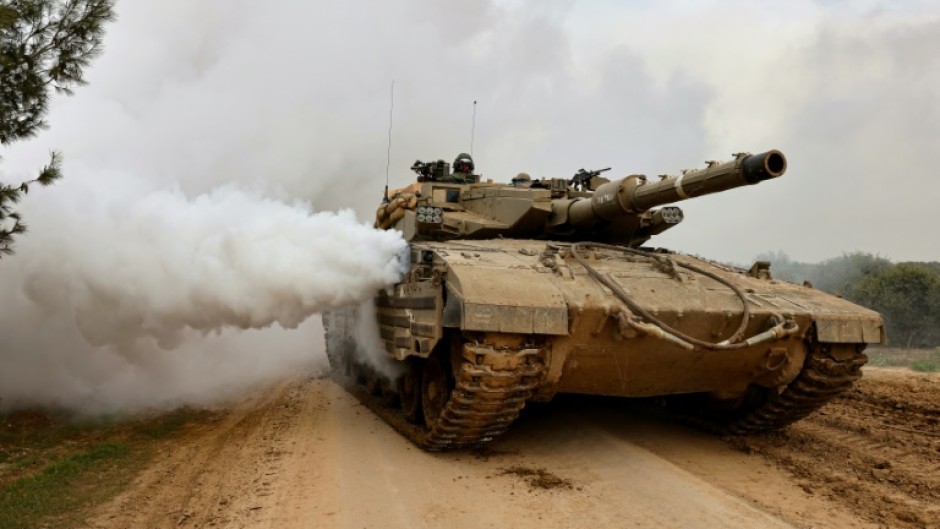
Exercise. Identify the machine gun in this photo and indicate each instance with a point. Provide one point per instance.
(431, 171)
(582, 179)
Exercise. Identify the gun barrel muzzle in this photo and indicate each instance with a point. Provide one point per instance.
(633, 195)
(745, 169)
(759, 167)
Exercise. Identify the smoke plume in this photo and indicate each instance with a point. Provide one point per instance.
(225, 259)
(123, 303)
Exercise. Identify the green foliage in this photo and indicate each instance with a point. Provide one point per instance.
(908, 295)
(45, 46)
(840, 274)
(836, 275)
(9, 196)
(926, 367)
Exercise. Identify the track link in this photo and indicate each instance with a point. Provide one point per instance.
(491, 387)
(829, 370)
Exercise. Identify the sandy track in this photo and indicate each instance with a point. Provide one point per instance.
(303, 453)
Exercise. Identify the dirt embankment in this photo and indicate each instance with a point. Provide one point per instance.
(303, 453)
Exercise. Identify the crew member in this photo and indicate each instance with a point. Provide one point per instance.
(463, 170)
(522, 180)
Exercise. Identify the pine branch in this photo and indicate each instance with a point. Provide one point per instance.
(11, 195)
(51, 172)
(45, 46)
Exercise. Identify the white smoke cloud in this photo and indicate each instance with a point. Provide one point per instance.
(133, 301)
(200, 108)
(156, 266)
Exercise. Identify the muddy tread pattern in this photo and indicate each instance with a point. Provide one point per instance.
(490, 390)
(825, 375)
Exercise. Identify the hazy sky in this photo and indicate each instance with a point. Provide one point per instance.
(290, 100)
(293, 96)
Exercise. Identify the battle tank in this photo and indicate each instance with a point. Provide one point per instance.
(518, 292)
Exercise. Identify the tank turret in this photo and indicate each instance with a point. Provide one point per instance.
(585, 207)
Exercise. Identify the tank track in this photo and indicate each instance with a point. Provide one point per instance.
(490, 389)
(829, 369)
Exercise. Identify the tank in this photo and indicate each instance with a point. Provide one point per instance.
(517, 292)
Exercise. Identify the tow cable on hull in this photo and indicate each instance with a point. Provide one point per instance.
(629, 323)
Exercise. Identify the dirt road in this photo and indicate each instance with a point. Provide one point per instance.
(303, 453)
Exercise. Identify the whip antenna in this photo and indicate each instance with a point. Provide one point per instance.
(388, 153)
(473, 126)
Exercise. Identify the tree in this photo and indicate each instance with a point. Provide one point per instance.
(45, 46)
(908, 296)
(835, 276)
(839, 274)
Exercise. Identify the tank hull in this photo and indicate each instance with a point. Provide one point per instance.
(526, 318)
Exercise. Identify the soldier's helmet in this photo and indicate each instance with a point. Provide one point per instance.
(463, 158)
(521, 179)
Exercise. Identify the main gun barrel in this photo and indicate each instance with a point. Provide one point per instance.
(633, 195)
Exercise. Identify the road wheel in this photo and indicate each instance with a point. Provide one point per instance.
(389, 395)
(409, 391)
(338, 352)
(356, 371)
(346, 365)
(372, 381)
(435, 390)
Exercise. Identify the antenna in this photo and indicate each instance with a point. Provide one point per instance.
(473, 126)
(388, 154)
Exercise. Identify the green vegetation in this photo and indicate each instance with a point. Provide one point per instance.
(926, 367)
(54, 470)
(45, 46)
(64, 486)
(906, 294)
(835, 276)
(924, 360)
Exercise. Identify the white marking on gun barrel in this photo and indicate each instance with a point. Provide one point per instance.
(678, 186)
